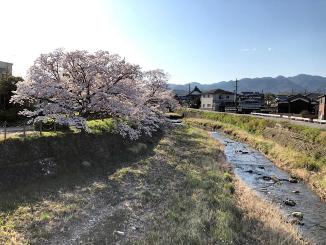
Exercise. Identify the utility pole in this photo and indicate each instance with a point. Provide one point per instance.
(236, 95)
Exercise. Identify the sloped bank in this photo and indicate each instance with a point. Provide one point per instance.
(297, 149)
(25, 160)
(180, 192)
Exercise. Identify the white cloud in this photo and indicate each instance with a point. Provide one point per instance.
(269, 49)
(248, 49)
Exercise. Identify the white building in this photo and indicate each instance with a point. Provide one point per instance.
(216, 100)
(5, 69)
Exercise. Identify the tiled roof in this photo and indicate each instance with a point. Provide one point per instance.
(217, 91)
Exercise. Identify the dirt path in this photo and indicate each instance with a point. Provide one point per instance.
(122, 213)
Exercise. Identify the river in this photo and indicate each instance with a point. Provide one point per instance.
(277, 186)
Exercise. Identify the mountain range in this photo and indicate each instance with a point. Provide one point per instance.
(297, 84)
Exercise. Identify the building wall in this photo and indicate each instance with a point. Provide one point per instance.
(206, 102)
(282, 108)
(5, 69)
(322, 108)
(223, 97)
(299, 106)
(215, 101)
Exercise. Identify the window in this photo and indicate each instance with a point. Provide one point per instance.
(204, 104)
(228, 97)
(208, 105)
(220, 97)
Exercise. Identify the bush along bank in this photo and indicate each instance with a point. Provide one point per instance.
(298, 149)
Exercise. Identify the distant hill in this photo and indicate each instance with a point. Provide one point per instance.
(280, 84)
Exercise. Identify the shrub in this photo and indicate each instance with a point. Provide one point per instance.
(312, 166)
(305, 114)
(101, 125)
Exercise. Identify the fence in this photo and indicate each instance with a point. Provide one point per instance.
(291, 118)
(24, 129)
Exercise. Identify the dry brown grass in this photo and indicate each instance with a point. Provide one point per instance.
(264, 223)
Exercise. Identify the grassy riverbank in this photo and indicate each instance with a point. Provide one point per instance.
(174, 190)
(298, 149)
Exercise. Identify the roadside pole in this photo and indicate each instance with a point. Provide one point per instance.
(24, 130)
(40, 128)
(5, 136)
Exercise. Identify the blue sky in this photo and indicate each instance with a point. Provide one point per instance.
(205, 40)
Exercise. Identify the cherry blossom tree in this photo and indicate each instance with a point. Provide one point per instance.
(71, 87)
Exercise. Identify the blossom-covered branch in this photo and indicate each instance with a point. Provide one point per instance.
(71, 87)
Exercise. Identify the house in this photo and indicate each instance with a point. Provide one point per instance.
(314, 97)
(216, 100)
(250, 102)
(294, 104)
(322, 107)
(282, 104)
(5, 69)
(190, 99)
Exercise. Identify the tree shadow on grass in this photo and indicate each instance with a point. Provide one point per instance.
(34, 169)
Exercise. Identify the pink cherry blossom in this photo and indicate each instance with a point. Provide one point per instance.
(71, 87)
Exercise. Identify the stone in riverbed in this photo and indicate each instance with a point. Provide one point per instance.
(275, 179)
(289, 202)
(249, 171)
(298, 215)
(293, 179)
(296, 192)
(267, 178)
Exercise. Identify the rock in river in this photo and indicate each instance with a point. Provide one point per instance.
(267, 178)
(289, 202)
(293, 180)
(298, 215)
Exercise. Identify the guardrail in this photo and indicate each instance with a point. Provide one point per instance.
(290, 117)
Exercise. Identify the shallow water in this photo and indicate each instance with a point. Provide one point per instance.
(273, 184)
